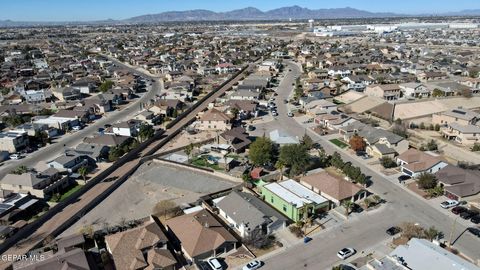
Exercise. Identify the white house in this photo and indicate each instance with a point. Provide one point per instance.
(414, 162)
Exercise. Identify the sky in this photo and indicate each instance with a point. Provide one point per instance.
(85, 10)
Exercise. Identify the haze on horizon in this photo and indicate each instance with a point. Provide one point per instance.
(89, 10)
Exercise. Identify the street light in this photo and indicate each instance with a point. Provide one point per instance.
(451, 232)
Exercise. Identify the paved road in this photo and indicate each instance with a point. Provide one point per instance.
(72, 139)
(367, 230)
(74, 209)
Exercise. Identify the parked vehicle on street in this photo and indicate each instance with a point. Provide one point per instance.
(393, 230)
(448, 203)
(274, 113)
(253, 265)
(468, 214)
(345, 253)
(290, 114)
(458, 209)
(403, 178)
(474, 231)
(306, 239)
(15, 156)
(475, 219)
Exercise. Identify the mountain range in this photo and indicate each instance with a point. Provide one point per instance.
(249, 14)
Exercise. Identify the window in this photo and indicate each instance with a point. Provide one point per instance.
(271, 199)
(284, 208)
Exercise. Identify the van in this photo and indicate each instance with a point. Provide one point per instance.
(214, 264)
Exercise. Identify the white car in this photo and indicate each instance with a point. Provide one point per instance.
(345, 253)
(274, 113)
(290, 114)
(15, 156)
(253, 265)
(76, 128)
(448, 203)
(214, 264)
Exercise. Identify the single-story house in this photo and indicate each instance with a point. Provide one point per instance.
(459, 183)
(414, 162)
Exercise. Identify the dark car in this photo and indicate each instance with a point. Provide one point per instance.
(468, 214)
(474, 231)
(458, 210)
(475, 219)
(393, 230)
(403, 178)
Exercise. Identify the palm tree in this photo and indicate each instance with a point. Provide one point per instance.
(83, 172)
(348, 205)
(280, 165)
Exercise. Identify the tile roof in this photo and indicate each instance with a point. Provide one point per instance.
(418, 161)
(334, 187)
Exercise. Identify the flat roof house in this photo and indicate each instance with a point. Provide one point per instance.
(335, 189)
(248, 214)
(294, 200)
(200, 235)
(414, 162)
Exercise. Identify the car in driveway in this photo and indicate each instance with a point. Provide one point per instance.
(393, 230)
(468, 214)
(253, 265)
(474, 231)
(448, 204)
(214, 263)
(403, 178)
(458, 210)
(345, 253)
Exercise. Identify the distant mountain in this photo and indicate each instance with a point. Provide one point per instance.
(466, 12)
(251, 13)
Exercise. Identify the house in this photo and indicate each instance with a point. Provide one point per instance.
(13, 141)
(82, 115)
(431, 75)
(414, 162)
(41, 184)
(384, 91)
(107, 140)
(128, 128)
(245, 94)
(459, 116)
(466, 135)
(459, 183)
(94, 151)
(336, 190)
(167, 107)
(293, 200)
(148, 117)
(85, 85)
(13, 206)
(280, 137)
(414, 90)
(213, 120)
(69, 162)
(67, 257)
(67, 93)
(420, 254)
(143, 247)
(200, 235)
(320, 106)
(334, 121)
(237, 138)
(246, 108)
(249, 215)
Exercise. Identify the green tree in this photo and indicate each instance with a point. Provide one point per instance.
(388, 162)
(432, 145)
(348, 206)
(261, 151)
(146, 132)
(83, 171)
(280, 165)
(235, 112)
(337, 161)
(476, 147)
(20, 170)
(427, 181)
(437, 93)
(432, 233)
(115, 153)
(105, 86)
(188, 150)
(294, 156)
(307, 141)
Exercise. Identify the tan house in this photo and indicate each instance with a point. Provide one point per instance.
(414, 162)
(214, 120)
(336, 190)
(144, 247)
(465, 134)
(384, 91)
(200, 235)
(458, 115)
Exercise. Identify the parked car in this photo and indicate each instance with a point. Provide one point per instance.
(285, 101)
(345, 253)
(458, 209)
(468, 214)
(474, 231)
(448, 203)
(475, 219)
(290, 114)
(393, 230)
(15, 156)
(251, 128)
(76, 128)
(307, 239)
(252, 265)
(274, 113)
(214, 263)
(403, 178)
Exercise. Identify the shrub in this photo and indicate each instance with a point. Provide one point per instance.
(388, 162)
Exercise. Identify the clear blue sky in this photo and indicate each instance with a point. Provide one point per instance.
(78, 10)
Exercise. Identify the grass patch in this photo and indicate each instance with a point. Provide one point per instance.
(337, 102)
(202, 162)
(339, 143)
(65, 194)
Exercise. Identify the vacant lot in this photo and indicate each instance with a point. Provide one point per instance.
(153, 182)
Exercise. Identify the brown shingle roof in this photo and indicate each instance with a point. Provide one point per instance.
(214, 115)
(199, 232)
(418, 161)
(334, 187)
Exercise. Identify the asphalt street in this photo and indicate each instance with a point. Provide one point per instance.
(368, 230)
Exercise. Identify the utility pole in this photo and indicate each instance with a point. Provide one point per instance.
(451, 232)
